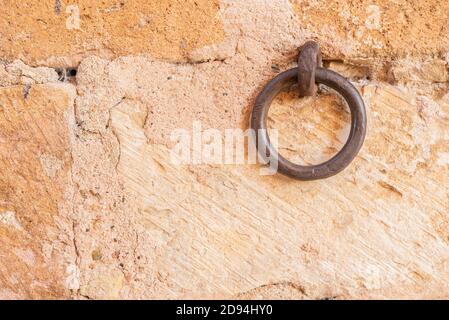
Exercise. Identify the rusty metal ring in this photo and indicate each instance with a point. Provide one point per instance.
(309, 60)
(337, 163)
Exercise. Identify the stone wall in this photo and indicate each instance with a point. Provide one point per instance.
(93, 207)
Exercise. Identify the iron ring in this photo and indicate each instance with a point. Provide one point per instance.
(338, 162)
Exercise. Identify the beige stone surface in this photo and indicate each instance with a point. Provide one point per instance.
(92, 207)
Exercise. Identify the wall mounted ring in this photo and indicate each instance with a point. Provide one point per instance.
(337, 163)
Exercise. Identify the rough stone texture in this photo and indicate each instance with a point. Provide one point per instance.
(371, 29)
(61, 33)
(36, 245)
(90, 198)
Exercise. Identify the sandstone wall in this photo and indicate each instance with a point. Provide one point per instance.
(92, 207)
